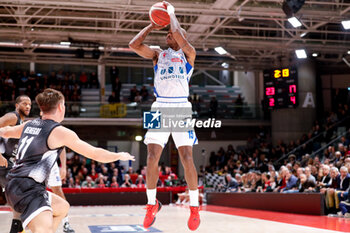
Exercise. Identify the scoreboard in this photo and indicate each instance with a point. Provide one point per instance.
(281, 88)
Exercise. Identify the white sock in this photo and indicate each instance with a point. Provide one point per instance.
(151, 196)
(66, 219)
(194, 197)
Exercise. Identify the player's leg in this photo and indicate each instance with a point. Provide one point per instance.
(152, 175)
(184, 142)
(47, 221)
(60, 208)
(42, 223)
(154, 151)
(55, 183)
(16, 225)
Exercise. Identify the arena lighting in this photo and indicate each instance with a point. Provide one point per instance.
(138, 138)
(348, 51)
(346, 24)
(225, 65)
(315, 54)
(301, 54)
(303, 34)
(64, 43)
(294, 21)
(220, 50)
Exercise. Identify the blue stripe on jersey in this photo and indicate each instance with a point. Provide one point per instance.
(170, 97)
(188, 67)
(171, 102)
(156, 68)
(195, 140)
(155, 91)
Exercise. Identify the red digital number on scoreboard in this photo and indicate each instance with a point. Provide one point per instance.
(292, 89)
(292, 98)
(271, 102)
(270, 91)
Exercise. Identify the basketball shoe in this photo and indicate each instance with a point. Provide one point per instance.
(67, 228)
(150, 217)
(16, 226)
(194, 220)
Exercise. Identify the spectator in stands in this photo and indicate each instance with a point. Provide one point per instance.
(303, 185)
(112, 99)
(344, 209)
(267, 185)
(325, 180)
(71, 183)
(88, 183)
(309, 176)
(114, 72)
(83, 80)
(127, 182)
(133, 92)
(291, 181)
(114, 183)
(343, 181)
(239, 106)
(117, 87)
(213, 107)
(93, 81)
(101, 183)
(140, 182)
(138, 97)
(144, 93)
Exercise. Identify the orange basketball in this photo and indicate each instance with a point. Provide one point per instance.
(159, 15)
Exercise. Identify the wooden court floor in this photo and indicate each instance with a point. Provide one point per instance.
(173, 218)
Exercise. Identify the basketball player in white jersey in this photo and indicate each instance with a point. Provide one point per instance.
(172, 71)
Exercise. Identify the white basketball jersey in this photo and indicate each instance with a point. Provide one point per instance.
(172, 74)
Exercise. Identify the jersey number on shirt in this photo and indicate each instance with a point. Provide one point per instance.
(25, 142)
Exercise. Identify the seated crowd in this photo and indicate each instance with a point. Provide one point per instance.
(14, 83)
(86, 173)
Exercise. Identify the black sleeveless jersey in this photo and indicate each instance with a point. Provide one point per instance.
(34, 158)
(8, 146)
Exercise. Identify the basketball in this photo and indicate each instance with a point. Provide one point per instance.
(158, 14)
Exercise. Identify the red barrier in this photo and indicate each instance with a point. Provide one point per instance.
(174, 190)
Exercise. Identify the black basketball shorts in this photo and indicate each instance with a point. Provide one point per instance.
(3, 173)
(28, 198)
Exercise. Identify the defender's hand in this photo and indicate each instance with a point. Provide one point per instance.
(3, 161)
(125, 156)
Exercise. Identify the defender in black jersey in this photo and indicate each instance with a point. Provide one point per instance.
(41, 141)
(8, 148)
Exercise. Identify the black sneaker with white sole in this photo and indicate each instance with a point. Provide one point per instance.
(67, 228)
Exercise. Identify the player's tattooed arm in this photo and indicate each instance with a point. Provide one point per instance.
(137, 45)
(179, 35)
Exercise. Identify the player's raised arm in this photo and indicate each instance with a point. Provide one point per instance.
(62, 136)
(179, 35)
(12, 131)
(137, 45)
